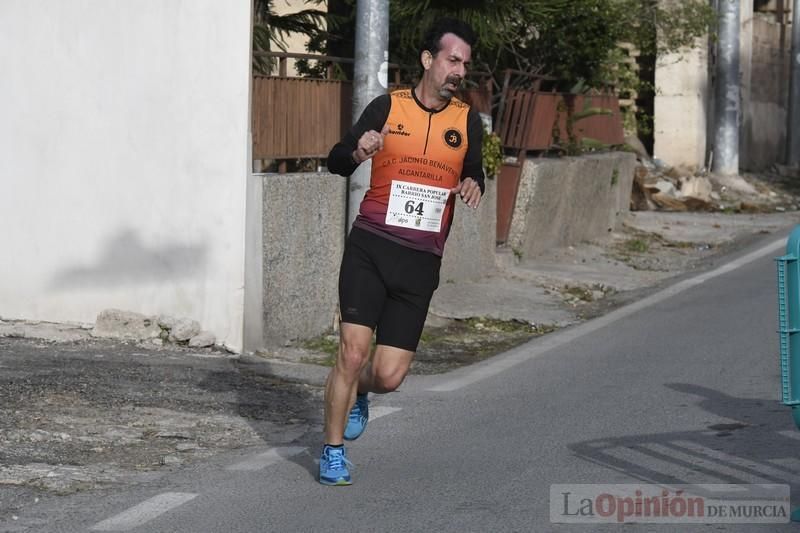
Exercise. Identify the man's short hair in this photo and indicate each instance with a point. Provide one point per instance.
(433, 37)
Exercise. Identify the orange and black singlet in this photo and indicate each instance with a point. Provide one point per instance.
(426, 153)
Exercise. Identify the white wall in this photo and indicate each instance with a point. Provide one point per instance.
(680, 116)
(124, 159)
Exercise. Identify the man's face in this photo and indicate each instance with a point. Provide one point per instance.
(447, 69)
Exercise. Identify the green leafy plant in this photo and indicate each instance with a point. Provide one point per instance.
(492, 152)
(589, 50)
(271, 30)
(527, 36)
(620, 74)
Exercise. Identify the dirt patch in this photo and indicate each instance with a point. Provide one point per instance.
(464, 342)
(75, 416)
(651, 251)
(449, 344)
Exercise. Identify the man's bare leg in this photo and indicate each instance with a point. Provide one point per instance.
(340, 389)
(387, 370)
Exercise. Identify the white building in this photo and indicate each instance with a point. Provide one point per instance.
(125, 160)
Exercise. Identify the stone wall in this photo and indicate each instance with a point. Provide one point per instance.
(469, 252)
(561, 202)
(303, 240)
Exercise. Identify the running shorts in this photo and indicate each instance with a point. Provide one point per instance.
(387, 287)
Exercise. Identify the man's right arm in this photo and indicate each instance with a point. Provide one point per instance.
(340, 158)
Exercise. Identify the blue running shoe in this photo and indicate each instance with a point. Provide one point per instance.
(333, 466)
(358, 418)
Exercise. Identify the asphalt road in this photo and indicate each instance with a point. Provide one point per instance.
(681, 388)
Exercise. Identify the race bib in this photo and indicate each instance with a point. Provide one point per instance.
(416, 206)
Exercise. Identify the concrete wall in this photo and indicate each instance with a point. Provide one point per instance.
(303, 241)
(684, 121)
(561, 202)
(764, 113)
(124, 135)
(254, 266)
(681, 108)
(745, 75)
(469, 252)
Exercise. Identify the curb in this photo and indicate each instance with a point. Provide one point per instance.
(303, 373)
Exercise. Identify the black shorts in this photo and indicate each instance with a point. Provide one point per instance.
(387, 287)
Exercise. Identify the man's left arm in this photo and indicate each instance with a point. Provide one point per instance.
(472, 186)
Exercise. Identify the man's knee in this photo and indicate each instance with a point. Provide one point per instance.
(387, 380)
(351, 358)
(355, 344)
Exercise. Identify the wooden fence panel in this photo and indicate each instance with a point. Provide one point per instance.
(604, 128)
(516, 116)
(543, 116)
(298, 117)
(295, 118)
(530, 118)
(480, 99)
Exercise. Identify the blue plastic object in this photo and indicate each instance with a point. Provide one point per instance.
(789, 327)
(789, 323)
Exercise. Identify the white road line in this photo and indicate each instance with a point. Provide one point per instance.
(790, 434)
(751, 470)
(525, 353)
(381, 410)
(144, 512)
(263, 460)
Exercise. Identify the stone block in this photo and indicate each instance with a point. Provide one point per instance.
(118, 324)
(303, 242)
(184, 329)
(561, 202)
(469, 252)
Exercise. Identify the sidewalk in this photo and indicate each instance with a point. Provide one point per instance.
(80, 413)
(653, 247)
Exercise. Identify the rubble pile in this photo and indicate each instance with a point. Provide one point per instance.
(660, 187)
(127, 325)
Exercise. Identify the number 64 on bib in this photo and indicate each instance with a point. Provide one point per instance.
(416, 206)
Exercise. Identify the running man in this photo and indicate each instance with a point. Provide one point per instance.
(425, 147)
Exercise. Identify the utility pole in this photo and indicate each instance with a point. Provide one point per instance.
(793, 118)
(727, 91)
(370, 79)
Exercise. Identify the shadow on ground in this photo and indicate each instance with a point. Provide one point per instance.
(757, 446)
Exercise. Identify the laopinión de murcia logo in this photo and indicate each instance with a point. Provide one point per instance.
(662, 504)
